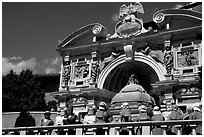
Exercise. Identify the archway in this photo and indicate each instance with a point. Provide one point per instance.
(115, 76)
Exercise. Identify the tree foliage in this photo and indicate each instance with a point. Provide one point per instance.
(22, 92)
(52, 105)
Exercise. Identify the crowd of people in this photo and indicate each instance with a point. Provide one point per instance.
(102, 115)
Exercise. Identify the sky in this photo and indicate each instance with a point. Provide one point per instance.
(31, 31)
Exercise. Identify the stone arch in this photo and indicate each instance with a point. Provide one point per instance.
(151, 66)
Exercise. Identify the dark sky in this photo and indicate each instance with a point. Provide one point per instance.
(33, 29)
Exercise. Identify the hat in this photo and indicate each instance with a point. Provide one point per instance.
(124, 104)
(156, 110)
(142, 108)
(163, 109)
(196, 107)
(47, 113)
(100, 107)
(102, 104)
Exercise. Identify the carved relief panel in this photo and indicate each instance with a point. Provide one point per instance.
(187, 59)
(80, 73)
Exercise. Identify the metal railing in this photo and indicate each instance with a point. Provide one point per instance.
(110, 128)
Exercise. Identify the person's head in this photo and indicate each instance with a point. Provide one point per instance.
(125, 105)
(58, 111)
(24, 112)
(174, 107)
(156, 110)
(47, 114)
(61, 112)
(142, 109)
(91, 110)
(102, 106)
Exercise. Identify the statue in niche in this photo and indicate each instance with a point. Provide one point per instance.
(168, 58)
(85, 71)
(66, 75)
(77, 72)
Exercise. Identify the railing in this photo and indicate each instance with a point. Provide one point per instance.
(110, 128)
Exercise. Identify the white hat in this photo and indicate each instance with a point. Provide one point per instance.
(124, 104)
(100, 107)
(196, 107)
(156, 110)
(142, 108)
(103, 104)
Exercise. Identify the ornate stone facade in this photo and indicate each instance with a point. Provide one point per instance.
(96, 65)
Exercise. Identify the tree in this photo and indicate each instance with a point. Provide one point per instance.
(22, 92)
(52, 105)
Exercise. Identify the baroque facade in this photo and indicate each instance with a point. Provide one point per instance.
(164, 55)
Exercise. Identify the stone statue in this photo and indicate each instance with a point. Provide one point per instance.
(132, 80)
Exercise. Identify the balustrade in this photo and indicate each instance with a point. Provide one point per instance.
(110, 128)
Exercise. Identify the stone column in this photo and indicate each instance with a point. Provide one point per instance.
(168, 58)
(94, 68)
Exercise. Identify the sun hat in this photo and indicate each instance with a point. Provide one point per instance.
(142, 108)
(125, 104)
(102, 104)
(156, 110)
(196, 107)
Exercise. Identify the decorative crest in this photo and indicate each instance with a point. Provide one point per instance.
(130, 25)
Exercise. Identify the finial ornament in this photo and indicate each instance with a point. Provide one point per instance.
(132, 80)
(131, 9)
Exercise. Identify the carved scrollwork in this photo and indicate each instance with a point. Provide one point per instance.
(97, 29)
(158, 17)
(66, 75)
(94, 71)
(168, 57)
